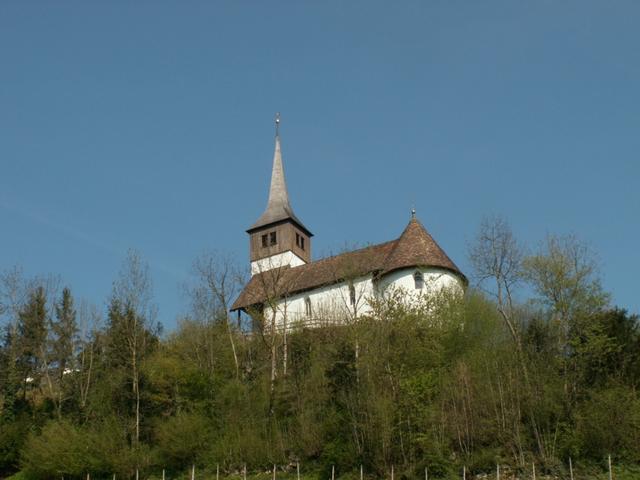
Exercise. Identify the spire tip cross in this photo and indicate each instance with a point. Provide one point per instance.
(277, 124)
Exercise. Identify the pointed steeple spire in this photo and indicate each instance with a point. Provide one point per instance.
(278, 194)
(278, 206)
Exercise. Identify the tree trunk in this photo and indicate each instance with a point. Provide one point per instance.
(136, 393)
(284, 347)
(233, 346)
(274, 352)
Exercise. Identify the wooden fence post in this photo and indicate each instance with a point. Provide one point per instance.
(610, 472)
(361, 472)
(163, 474)
(297, 470)
(274, 471)
(464, 472)
(193, 471)
(392, 472)
(533, 465)
(497, 471)
(333, 472)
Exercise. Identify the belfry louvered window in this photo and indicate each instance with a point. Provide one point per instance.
(419, 280)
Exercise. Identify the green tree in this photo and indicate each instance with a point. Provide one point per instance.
(607, 349)
(564, 274)
(131, 336)
(182, 439)
(608, 422)
(9, 375)
(12, 299)
(64, 330)
(32, 339)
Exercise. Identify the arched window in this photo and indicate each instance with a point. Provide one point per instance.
(307, 306)
(419, 280)
(352, 294)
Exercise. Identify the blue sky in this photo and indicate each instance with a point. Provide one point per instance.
(149, 125)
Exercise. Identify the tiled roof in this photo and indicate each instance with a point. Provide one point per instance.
(417, 248)
(414, 248)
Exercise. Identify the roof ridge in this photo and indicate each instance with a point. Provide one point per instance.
(337, 255)
(362, 249)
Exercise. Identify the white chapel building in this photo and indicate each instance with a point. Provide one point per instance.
(287, 283)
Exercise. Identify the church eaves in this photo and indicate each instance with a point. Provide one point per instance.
(278, 206)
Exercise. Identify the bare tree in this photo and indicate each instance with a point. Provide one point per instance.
(132, 315)
(496, 257)
(564, 274)
(13, 294)
(274, 284)
(134, 286)
(352, 269)
(218, 281)
(89, 323)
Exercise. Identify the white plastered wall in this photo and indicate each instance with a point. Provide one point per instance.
(276, 261)
(332, 303)
(435, 281)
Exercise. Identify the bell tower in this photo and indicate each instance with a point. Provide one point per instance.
(278, 238)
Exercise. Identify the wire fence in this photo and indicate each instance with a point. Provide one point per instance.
(290, 472)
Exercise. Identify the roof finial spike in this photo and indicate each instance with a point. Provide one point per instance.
(413, 212)
(277, 124)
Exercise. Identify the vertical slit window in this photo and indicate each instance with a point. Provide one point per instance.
(272, 238)
(419, 280)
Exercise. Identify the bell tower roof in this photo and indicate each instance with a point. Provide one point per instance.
(278, 206)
